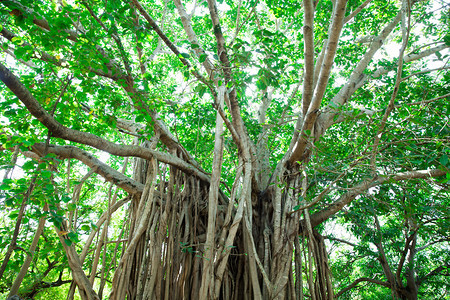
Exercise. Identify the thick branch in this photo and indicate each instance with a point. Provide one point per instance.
(60, 131)
(308, 31)
(345, 199)
(110, 174)
(313, 110)
(326, 119)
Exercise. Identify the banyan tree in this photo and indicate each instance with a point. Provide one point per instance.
(198, 149)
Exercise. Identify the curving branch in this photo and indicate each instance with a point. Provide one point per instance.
(345, 199)
(110, 174)
(115, 73)
(359, 280)
(59, 131)
(435, 272)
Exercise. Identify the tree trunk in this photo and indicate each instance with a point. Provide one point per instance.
(166, 252)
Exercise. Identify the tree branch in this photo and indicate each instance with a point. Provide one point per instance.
(356, 11)
(426, 71)
(446, 239)
(116, 74)
(110, 174)
(436, 271)
(326, 119)
(345, 199)
(362, 279)
(308, 34)
(313, 110)
(186, 21)
(403, 255)
(158, 31)
(60, 131)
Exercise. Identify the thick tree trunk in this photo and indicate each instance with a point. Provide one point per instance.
(166, 252)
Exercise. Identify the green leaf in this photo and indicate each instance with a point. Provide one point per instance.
(186, 74)
(202, 58)
(46, 174)
(68, 242)
(29, 165)
(17, 40)
(72, 236)
(14, 214)
(444, 159)
(65, 199)
(139, 118)
(5, 187)
(184, 55)
(447, 39)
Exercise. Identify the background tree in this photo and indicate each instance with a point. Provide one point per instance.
(406, 236)
(249, 125)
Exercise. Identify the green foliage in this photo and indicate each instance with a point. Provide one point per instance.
(265, 50)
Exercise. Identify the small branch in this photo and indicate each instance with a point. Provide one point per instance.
(403, 255)
(406, 28)
(166, 40)
(382, 255)
(355, 283)
(426, 71)
(340, 240)
(114, 36)
(345, 199)
(436, 271)
(446, 239)
(158, 31)
(425, 101)
(239, 27)
(356, 11)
